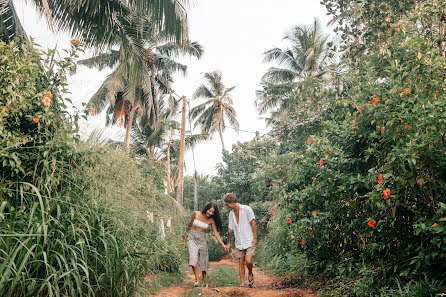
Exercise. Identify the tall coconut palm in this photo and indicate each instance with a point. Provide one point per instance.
(160, 142)
(308, 56)
(96, 22)
(211, 114)
(132, 90)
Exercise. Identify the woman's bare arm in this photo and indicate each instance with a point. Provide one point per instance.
(189, 226)
(216, 234)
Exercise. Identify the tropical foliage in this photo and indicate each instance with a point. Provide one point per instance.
(361, 192)
(67, 224)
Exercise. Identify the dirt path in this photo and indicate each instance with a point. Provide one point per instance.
(264, 285)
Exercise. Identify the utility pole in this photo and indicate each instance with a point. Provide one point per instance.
(182, 145)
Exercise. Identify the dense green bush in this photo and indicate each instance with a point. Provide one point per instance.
(362, 198)
(72, 217)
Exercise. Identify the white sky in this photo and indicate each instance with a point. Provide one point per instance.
(234, 34)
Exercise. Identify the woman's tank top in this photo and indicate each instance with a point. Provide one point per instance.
(200, 224)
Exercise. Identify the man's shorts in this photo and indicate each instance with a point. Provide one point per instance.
(242, 253)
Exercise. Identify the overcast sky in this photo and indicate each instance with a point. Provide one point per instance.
(234, 34)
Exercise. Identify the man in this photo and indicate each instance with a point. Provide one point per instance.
(242, 225)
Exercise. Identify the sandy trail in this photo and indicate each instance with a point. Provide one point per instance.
(264, 285)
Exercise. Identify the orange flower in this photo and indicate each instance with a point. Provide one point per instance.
(380, 179)
(308, 141)
(321, 162)
(434, 225)
(74, 42)
(369, 103)
(4, 109)
(271, 212)
(382, 130)
(406, 90)
(302, 242)
(314, 213)
(354, 122)
(288, 221)
(407, 127)
(92, 112)
(36, 120)
(371, 223)
(375, 101)
(49, 94)
(398, 27)
(436, 92)
(386, 193)
(419, 56)
(46, 101)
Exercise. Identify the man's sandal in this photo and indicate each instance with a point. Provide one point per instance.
(251, 281)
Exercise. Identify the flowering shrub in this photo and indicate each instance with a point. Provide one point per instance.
(376, 169)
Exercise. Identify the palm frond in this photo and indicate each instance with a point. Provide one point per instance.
(101, 61)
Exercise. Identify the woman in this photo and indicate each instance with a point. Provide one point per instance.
(196, 241)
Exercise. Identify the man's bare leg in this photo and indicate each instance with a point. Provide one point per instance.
(241, 271)
(249, 264)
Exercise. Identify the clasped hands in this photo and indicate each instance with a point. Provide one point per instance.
(227, 247)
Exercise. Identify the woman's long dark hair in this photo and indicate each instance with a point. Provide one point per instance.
(215, 216)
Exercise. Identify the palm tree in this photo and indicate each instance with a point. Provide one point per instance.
(211, 114)
(308, 57)
(159, 142)
(133, 89)
(96, 22)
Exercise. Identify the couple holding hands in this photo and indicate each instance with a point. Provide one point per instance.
(241, 225)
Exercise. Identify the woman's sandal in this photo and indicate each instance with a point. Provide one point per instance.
(251, 281)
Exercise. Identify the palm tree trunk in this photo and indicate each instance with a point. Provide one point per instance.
(195, 192)
(168, 167)
(220, 131)
(181, 159)
(129, 130)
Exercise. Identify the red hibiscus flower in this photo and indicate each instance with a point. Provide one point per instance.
(36, 120)
(302, 242)
(308, 141)
(271, 212)
(371, 223)
(380, 179)
(375, 101)
(321, 162)
(288, 221)
(92, 112)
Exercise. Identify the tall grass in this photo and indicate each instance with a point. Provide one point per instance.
(89, 236)
(72, 215)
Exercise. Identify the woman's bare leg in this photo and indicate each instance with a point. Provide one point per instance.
(203, 275)
(195, 270)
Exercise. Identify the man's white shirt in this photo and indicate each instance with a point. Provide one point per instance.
(242, 231)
